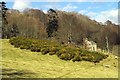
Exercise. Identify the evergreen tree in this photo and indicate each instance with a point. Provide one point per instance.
(53, 22)
(4, 20)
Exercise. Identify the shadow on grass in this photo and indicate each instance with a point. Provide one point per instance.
(13, 73)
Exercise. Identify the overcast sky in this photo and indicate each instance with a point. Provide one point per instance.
(100, 10)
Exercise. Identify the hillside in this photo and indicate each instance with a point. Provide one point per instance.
(17, 63)
(33, 23)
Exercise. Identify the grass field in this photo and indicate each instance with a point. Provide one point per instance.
(26, 64)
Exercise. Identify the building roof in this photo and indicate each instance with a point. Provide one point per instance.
(93, 42)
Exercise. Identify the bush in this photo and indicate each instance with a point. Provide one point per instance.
(35, 48)
(44, 51)
(62, 51)
(88, 58)
(65, 56)
(77, 58)
(51, 53)
(22, 47)
(58, 53)
(53, 49)
(27, 44)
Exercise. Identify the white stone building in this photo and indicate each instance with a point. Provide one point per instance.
(89, 45)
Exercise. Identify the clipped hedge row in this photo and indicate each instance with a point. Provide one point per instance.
(53, 48)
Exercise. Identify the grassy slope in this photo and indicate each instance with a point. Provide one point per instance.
(24, 63)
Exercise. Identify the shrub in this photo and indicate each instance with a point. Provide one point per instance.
(35, 48)
(77, 58)
(12, 40)
(22, 47)
(53, 49)
(44, 51)
(27, 44)
(58, 53)
(63, 51)
(88, 58)
(65, 56)
(51, 53)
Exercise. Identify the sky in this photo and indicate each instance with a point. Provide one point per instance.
(99, 10)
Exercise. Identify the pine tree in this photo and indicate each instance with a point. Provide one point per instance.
(53, 23)
(4, 20)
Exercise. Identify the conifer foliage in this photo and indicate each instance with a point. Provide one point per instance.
(52, 23)
(4, 20)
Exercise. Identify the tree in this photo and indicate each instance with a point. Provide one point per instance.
(53, 22)
(108, 22)
(107, 44)
(4, 20)
(14, 31)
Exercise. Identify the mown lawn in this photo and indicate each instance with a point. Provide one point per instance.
(26, 64)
